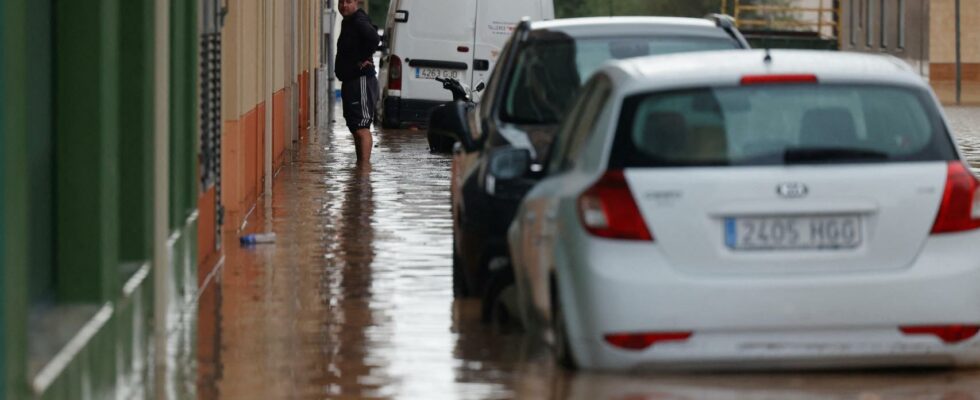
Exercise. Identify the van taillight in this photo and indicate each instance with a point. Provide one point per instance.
(960, 207)
(607, 209)
(395, 73)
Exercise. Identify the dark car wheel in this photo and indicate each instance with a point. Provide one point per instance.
(562, 350)
(389, 122)
(459, 281)
(492, 308)
(440, 144)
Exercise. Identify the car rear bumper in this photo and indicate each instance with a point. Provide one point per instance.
(795, 320)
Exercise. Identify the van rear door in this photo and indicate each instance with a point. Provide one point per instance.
(438, 44)
(495, 22)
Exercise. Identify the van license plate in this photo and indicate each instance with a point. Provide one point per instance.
(793, 232)
(433, 73)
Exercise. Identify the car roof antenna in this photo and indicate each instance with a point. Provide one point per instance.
(765, 41)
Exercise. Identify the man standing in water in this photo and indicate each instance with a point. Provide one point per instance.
(355, 69)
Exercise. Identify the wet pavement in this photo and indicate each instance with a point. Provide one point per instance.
(354, 301)
(965, 123)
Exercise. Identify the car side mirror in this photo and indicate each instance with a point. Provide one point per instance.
(506, 172)
(449, 120)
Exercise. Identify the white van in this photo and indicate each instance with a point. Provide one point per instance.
(426, 39)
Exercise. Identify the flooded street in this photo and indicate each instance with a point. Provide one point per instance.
(965, 123)
(354, 301)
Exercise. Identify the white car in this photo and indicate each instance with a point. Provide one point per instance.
(743, 209)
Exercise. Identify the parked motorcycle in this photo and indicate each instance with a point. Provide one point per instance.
(441, 138)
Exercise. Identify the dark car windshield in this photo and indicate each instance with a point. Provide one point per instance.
(779, 124)
(551, 69)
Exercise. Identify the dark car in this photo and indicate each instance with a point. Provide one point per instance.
(537, 77)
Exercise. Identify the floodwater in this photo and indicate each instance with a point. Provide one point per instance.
(354, 301)
(965, 123)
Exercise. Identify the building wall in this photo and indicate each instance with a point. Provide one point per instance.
(77, 190)
(896, 27)
(107, 221)
(942, 43)
(244, 73)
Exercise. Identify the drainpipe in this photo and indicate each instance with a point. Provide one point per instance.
(959, 60)
(293, 74)
(270, 86)
(161, 190)
(330, 44)
(311, 37)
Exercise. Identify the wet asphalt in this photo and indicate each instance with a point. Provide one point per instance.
(354, 301)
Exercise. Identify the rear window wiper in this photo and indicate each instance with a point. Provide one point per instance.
(831, 154)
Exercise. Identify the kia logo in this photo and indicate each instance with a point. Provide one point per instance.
(792, 190)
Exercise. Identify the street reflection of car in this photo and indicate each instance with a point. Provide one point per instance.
(538, 75)
(729, 210)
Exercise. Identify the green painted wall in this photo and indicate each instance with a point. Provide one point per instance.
(76, 177)
(13, 197)
(87, 146)
(136, 134)
(40, 149)
(183, 110)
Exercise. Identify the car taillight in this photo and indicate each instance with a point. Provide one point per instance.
(607, 209)
(395, 73)
(778, 78)
(960, 209)
(642, 340)
(947, 333)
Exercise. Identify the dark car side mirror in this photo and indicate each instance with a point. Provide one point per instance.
(506, 172)
(449, 120)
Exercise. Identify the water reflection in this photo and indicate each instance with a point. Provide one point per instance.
(782, 386)
(346, 289)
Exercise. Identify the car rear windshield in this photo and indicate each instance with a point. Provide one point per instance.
(779, 124)
(551, 69)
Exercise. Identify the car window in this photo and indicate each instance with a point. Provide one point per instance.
(572, 139)
(564, 131)
(780, 124)
(493, 83)
(550, 69)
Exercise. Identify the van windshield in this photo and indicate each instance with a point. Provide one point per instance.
(779, 125)
(552, 68)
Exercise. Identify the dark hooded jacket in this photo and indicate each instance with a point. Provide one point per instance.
(357, 43)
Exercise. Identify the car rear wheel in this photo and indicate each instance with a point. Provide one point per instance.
(562, 350)
(459, 282)
(440, 144)
(493, 309)
(389, 121)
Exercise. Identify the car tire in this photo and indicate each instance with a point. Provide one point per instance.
(562, 350)
(389, 122)
(440, 144)
(459, 283)
(492, 310)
